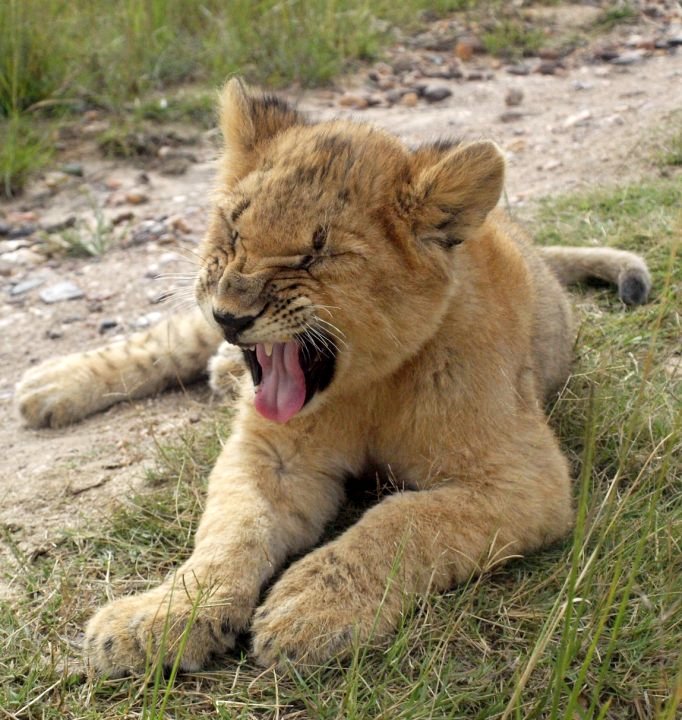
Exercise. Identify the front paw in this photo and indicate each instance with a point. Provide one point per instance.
(319, 609)
(134, 633)
(226, 371)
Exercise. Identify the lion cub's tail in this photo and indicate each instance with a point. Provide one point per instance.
(619, 267)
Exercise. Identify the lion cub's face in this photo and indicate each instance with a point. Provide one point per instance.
(331, 255)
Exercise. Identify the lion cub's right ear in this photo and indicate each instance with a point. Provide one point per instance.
(249, 120)
(451, 198)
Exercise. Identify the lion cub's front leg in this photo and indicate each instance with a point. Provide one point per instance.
(260, 509)
(353, 589)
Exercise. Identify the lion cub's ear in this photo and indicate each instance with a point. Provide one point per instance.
(249, 120)
(452, 198)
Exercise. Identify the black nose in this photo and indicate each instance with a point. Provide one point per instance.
(232, 325)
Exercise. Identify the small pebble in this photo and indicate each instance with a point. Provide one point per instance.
(579, 118)
(517, 146)
(353, 101)
(464, 50)
(21, 231)
(144, 321)
(136, 198)
(547, 67)
(383, 68)
(514, 97)
(74, 169)
(394, 96)
(520, 69)
(387, 83)
(60, 225)
(179, 223)
(26, 285)
(436, 93)
(106, 325)
(18, 218)
(510, 116)
(409, 99)
(55, 180)
(628, 58)
(121, 217)
(61, 291)
(23, 256)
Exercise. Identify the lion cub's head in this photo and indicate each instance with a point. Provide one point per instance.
(333, 249)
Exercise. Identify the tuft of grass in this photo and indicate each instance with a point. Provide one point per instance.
(89, 241)
(197, 109)
(512, 38)
(23, 151)
(620, 13)
(672, 154)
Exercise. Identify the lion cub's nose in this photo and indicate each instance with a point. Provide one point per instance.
(232, 325)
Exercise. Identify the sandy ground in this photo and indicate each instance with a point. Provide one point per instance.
(591, 126)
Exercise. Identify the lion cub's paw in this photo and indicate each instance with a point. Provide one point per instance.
(318, 609)
(225, 371)
(134, 633)
(56, 392)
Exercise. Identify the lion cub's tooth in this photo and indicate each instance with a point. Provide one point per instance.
(268, 349)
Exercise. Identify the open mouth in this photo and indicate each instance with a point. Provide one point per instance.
(287, 375)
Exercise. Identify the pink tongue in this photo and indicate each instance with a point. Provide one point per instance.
(281, 393)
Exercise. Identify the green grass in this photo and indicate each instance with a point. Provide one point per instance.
(59, 56)
(672, 154)
(621, 13)
(586, 629)
(512, 38)
(56, 53)
(23, 150)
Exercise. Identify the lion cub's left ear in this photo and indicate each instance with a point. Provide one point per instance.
(249, 120)
(451, 199)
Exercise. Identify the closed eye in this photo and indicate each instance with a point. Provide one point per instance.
(232, 232)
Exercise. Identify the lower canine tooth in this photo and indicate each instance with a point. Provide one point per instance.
(268, 348)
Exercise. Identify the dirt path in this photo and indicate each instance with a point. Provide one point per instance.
(588, 125)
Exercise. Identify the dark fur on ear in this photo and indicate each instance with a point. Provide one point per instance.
(249, 120)
(450, 198)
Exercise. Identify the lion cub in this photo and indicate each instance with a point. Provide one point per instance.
(385, 315)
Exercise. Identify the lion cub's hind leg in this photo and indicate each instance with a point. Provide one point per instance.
(66, 389)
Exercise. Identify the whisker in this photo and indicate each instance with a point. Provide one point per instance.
(321, 344)
(188, 275)
(192, 256)
(181, 305)
(337, 332)
(329, 346)
(180, 292)
(326, 308)
(331, 332)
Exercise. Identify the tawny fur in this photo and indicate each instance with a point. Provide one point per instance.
(451, 332)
